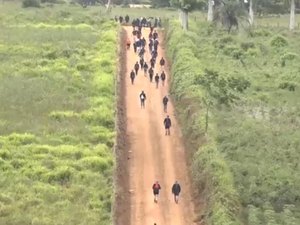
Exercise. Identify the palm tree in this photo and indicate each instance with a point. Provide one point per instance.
(229, 13)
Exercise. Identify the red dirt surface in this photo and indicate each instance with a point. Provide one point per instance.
(152, 156)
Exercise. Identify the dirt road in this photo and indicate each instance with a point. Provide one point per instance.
(152, 155)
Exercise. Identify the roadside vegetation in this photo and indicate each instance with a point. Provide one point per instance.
(237, 96)
(57, 101)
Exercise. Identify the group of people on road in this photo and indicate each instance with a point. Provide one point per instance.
(139, 22)
(139, 43)
(148, 70)
(176, 189)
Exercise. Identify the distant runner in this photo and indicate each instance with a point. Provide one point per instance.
(167, 123)
(132, 76)
(151, 73)
(175, 191)
(127, 19)
(156, 188)
(142, 98)
(136, 68)
(163, 77)
(156, 78)
(145, 68)
(162, 62)
(165, 103)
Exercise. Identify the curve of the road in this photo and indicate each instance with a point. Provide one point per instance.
(152, 155)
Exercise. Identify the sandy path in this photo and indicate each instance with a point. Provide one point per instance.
(154, 156)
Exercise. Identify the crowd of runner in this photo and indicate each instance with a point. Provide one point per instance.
(143, 21)
(147, 67)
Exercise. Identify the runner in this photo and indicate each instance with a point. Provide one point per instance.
(142, 62)
(126, 19)
(165, 103)
(175, 191)
(142, 98)
(152, 62)
(156, 188)
(163, 77)
(151, 73)
(145, 69)
(162, 62)
(167, 123)
(136, 68)
(156, 78)
(132, 76)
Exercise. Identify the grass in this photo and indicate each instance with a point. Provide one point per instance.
(57, 115)
(247, 164)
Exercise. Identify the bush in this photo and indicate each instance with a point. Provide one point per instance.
(247, 45)
(31, 3)
(279, 41)
(288, 85)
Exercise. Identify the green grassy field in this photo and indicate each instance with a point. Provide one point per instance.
(57, 101)
(247, 166)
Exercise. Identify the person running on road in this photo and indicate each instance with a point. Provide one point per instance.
(142, 98)
(167, 123)
(163, 77)
(165, 103)
(156, 78)
(136, 68)
(145, 69)
(175, 191)
(134, 47)
(155, 35)
(121, 19)
(142, 52)
(142, 62)
(154, 54)
(162, 62)
(127, 19)
(152, 62)
(132, 76)
(156, 188)
(151, 73)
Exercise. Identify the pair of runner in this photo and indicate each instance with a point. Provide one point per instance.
(176, 189)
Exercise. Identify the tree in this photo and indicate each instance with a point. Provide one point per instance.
(186, 6)
(210, 11)
(292, 15)
(251, 13)
(228, 13)
(219, 90)
(108, 6)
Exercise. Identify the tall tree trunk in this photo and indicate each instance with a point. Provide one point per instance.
(210, 11)
(251, 13)
(108, 6)
(180, 16)
(184, 19)
(292, 15)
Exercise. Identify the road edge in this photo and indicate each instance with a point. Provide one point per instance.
(121, 211)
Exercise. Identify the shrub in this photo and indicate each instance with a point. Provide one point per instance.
(289, 56)
(279, 41)
(247, 45)
(288, 85)
(31, 3)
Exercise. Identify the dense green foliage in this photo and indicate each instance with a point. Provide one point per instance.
(56, 116)
(246, 86)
